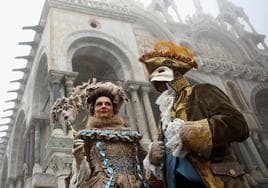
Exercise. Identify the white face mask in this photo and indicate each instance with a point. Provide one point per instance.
(162, 73)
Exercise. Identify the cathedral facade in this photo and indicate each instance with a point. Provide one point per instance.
(79, 39)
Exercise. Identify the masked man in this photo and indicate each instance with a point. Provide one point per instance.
(198, 123)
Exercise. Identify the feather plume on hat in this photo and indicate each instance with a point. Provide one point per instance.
(166, 53)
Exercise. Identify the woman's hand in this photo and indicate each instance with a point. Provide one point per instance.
(78, 150)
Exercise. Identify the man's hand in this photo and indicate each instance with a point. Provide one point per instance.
(157, 152)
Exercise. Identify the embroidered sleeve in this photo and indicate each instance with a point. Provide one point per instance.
(196, 136)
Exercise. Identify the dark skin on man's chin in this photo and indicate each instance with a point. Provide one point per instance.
(160, 86)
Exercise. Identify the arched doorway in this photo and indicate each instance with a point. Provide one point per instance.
(261, 103)
(95, 62)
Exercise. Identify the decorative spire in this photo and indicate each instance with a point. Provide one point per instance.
(198, 6)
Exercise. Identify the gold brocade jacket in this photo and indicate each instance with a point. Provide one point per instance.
(215, 125)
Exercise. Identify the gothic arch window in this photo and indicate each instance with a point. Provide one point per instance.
(261, 103)
(236, 95)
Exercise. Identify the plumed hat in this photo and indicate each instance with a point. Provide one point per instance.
(92, 90)
(166, 53)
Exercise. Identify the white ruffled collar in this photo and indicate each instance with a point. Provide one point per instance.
(165, 102)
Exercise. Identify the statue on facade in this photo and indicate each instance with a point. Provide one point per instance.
(198, 125)
(161, 7)
(107, 153)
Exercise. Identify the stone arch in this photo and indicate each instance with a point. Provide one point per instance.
(41, 91)
(94, 61)
(229, 44)
(237, 95)
(259, 103)
(106, 43)
(16, 150)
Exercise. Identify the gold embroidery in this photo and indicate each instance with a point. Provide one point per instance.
(179, 84)
(199, 137)
(179, 106)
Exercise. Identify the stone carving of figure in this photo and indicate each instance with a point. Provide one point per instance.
(161, 7)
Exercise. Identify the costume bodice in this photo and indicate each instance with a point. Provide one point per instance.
(114, 155)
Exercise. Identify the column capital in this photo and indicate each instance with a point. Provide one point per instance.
(146, 88)
(70, 76)
(131, 85)
(55, 76)
(36, 120)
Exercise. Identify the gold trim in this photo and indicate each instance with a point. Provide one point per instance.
(199, 138)
(179, 84)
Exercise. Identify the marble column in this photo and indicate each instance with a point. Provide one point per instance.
(27, 173)
(131, 116)
(140, 117)
(32, 147)
(56, 78)
(11, 183)
(19, 182)
(69, 81)
(149, 112)
(37, 155)
(256, 155)
(246, 156)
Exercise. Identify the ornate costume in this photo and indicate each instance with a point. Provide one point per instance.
(106, 154)
(112, 159)
(206, 123)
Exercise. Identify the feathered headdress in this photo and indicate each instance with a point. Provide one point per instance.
(166, 53)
